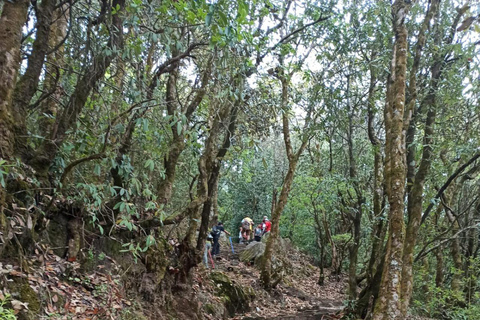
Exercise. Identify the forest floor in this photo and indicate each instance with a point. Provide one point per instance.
(61, 289)
(297, 297)
(54, 288)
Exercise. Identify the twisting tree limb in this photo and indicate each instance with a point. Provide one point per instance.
(423, 253)
(75, 163)
(447, 183)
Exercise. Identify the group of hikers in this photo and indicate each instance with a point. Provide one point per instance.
(212, 247)
(246, 230)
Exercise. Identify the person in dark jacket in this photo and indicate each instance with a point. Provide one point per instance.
(216, 232)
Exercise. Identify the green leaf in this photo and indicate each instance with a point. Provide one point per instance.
(145, 125)
(223, 20)
(208, 19)
(264, 163)
(97, 170)
(150, 240)
(179, 127)
(149, 164)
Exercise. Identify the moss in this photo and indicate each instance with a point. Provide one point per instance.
(235, 297)
(21, 290)
(210, 308)
(57, 234)
(20, 189)
(157, 259)
(132, 315)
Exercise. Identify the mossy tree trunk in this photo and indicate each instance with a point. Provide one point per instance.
(388, 305)
(214, 177)
(266, 268)
(176, 112)
(28, 83)
(378, 235)
(12, 20)
(190, 256)
(321, 242)
(429, 105)
(93, 73)
(55, 62)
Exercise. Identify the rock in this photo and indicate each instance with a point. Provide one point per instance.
(253, 252)
(235, 297)
(281, 265)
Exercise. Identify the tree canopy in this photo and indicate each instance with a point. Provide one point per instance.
(353, 125)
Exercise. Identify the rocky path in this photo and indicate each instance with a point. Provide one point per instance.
(298, 298)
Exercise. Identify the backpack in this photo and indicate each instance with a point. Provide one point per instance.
(215, 232)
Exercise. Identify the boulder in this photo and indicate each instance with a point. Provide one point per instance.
(253, 252)
(235, 297)
(281, 265)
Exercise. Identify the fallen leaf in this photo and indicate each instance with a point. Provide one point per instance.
(19, 305)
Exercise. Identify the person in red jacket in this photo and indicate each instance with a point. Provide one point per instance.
(267, 225)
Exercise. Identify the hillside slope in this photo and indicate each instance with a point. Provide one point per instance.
(45, 286)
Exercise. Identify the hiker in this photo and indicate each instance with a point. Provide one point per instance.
(208, 247)
(216, 232)
(247, 225)
(240, 236)
(267, 225)
(258, 233)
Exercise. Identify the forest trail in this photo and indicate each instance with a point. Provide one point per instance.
(299, 297)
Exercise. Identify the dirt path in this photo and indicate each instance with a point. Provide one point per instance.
(297, 298)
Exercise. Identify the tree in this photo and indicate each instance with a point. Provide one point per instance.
(388, 304)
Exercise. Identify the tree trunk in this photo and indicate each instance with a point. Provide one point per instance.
(208, 205)
(55, 61)
(274, 201)
(415, 195)
(388, 305)
(352, 269)
(28, 83)
(439, 277)
(356, 215)
(170, 164)
(416, 181)
(85, 84)
(368, 296)
(177, 145)
(321, 244)
(336, 264)
(471, 286)
(266, 269)
(213, 179)
(189, 255)
(439, 267)
(12, 20)
(456, 284)
(178, 142)
(415, 207)
(266, 272)
(378, 236)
